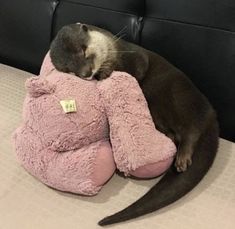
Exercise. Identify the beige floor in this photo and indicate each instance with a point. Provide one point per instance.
(25, 203)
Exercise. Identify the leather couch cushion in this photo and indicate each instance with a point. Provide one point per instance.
(212, 13)
(25, 30)
(127, 6)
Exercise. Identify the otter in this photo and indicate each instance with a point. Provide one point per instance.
(178, 108)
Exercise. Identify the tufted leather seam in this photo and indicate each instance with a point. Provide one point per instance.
(104, 8)
(55, 5)
(188, 23)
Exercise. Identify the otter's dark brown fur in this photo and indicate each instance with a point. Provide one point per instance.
(178, 108)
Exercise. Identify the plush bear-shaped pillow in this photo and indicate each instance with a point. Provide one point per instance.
(75, 133)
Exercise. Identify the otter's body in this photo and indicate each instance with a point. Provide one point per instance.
(178, 109)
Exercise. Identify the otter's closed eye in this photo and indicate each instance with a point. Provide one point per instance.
(84, 47)
(90, 57)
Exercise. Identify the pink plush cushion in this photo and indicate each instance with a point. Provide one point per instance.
(72, 151)
(139, 149)
(152, 170)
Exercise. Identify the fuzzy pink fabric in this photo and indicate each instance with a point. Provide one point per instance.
(138, 148)
(72, 151)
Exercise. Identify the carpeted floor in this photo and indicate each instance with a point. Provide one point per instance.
(25, 203)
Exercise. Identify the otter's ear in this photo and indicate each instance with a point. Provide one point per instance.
(84, 27)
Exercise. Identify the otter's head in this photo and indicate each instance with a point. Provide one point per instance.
(82, 49)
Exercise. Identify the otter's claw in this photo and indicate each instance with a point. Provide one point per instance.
(183, 162)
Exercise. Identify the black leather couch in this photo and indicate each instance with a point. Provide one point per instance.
(198, 36)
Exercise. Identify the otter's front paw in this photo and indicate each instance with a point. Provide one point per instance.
(183, 162)
(102, 75)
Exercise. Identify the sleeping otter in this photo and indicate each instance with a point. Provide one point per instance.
(178, 108)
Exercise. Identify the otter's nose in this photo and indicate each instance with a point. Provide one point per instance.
(86, 74)
(86, 77)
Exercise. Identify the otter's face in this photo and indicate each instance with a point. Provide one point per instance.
(68, 51)
(80, 49)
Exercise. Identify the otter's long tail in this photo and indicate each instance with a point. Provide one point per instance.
(173, 185)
